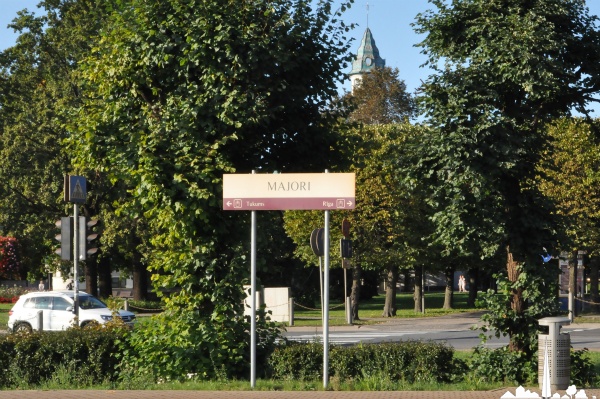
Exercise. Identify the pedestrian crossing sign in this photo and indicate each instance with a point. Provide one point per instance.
(76, 189)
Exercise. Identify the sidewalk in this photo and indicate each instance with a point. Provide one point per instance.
(495, 394)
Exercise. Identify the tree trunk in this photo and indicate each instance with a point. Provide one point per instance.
(449, 293)
(104, 278)
(594, 263)
(91, 275)
(418, 292)
(355, 292)
(473, 275)
(389, 309)
(407, 280)
(517, 303)
(140, 278)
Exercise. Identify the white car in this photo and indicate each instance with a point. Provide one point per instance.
(56, 309)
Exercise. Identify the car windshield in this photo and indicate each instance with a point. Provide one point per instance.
(89, 302)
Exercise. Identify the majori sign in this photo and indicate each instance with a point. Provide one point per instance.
(288, 191)
(289, 186)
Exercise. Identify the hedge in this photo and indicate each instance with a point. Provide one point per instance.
(29, 359)
(410, 361)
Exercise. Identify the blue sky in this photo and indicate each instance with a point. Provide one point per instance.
(389, 20)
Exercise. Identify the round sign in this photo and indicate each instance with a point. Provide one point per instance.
(317, 241)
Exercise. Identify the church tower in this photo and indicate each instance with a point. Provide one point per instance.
(367, 58)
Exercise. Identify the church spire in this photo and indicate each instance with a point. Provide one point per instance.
(367, 58)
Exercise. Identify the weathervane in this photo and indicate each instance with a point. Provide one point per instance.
(367, 7)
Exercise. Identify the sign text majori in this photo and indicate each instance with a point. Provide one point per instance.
(289, 186)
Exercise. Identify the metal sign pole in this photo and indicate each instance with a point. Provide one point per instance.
(345, 290)
(321, 282)
(326, 303)
(76, 262)
(253, 299)
(423, 289)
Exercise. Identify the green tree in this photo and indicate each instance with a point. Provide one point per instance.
(37, 81)
(570, 176)
(380, 98)
(491, 95)
(39, 86)
(386, 226)
(388, 217)
(570, 169)
(179, 93)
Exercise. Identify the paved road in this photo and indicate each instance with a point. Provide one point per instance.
(456, 330)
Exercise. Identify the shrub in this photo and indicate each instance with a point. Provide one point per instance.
(582, 369)
(502, 365)
(162, 348)
(32, 359)
(517, 368)
(293, 360)
(411, 361)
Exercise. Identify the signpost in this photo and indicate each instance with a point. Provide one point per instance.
(289, 191)
(75, 192)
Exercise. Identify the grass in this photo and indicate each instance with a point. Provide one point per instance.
(4, 308)
(375, 383)
(370, 311)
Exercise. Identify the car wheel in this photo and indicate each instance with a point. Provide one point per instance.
(23, 328)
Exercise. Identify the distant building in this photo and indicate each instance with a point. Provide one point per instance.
(367, 58)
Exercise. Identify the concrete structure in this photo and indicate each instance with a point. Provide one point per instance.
(276, 300)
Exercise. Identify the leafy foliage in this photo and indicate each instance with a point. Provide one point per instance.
(569, 174)
(583, 372)
(9, 260)
(31, 359)
(518, 368)
(297, 361)
(34, 84)
(179, 93)
(387, 224)
(381, 98)
(409, 361)
(538, 284)
(502, 365)
(491, 96)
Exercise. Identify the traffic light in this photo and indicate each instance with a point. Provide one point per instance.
(346, 248)
(65, 225)
(88, 237)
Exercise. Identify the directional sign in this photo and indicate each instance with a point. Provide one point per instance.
(287, 191)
